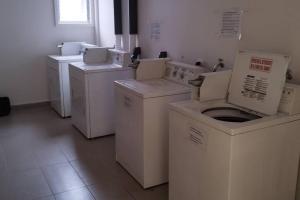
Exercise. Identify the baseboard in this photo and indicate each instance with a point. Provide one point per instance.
(30, 105)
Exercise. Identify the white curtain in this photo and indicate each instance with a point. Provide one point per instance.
(104, 22)
(104, 26)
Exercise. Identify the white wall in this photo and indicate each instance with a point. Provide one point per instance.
(189, 29)
(28, 34)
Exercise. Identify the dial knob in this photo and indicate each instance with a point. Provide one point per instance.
(174, 73)
(182, 75)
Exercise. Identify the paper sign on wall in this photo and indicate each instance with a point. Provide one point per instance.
(155, 31)
(231, 24)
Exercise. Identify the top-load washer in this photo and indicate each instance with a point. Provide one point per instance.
(240, 147)
(142, 117)
(58, 75)
(92, 90)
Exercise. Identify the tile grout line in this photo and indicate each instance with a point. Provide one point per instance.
(79, 188)
(47, 181)
(131, 195)
(85, 184)
(91, 193)
(53, 193)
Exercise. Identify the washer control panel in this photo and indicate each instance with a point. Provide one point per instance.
(182, 73)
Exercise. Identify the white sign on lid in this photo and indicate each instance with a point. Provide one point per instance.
(258, 80)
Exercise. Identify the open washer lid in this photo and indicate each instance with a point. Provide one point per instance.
(257, 81)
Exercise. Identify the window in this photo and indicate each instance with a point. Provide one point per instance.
(73, 11)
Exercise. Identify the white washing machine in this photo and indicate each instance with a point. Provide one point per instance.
(240, 148)
(58, 76)
(142, 119)
(92, 93)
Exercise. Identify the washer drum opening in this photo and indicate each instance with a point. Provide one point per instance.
(229, 114)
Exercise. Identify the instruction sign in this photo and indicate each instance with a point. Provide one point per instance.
(255, 87)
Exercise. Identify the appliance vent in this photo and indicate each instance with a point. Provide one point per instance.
(231, 24)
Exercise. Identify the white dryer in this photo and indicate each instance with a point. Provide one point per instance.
(92, 93)
(142, 118)
(58, 76)
(239, 148)
(59, 83)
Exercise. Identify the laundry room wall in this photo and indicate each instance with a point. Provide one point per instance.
(190, 29)
(28, 34)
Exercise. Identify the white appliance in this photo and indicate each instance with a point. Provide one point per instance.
(239, 149)
(95, 55)
(58, 76)
(290, 99)
(93, 109)
(70, 48)
(142, 117)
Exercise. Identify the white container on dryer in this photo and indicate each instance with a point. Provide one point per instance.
(142, 119)
(92, 93)
(227, 149)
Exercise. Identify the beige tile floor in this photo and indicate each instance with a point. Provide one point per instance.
(42, 157)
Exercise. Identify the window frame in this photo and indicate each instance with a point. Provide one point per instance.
(89, 22)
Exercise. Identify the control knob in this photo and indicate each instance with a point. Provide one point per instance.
(182, 75)
(174, 73)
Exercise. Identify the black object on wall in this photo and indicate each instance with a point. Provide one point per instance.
(136, 53)
(133, 17)
(163, 54)
(118, 17)
(4, 106)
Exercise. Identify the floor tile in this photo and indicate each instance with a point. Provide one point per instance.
(75, 146)
(157, 193)
(43, 157)
(96, 172)
(121, 176)
(46, 198)
(18, 153)
(6, 190)
(109, 191)
(49, 156)
(2, 160)
(79, 194)
(62, 177)
(25, 185)
(92, 171)
(24, 160)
